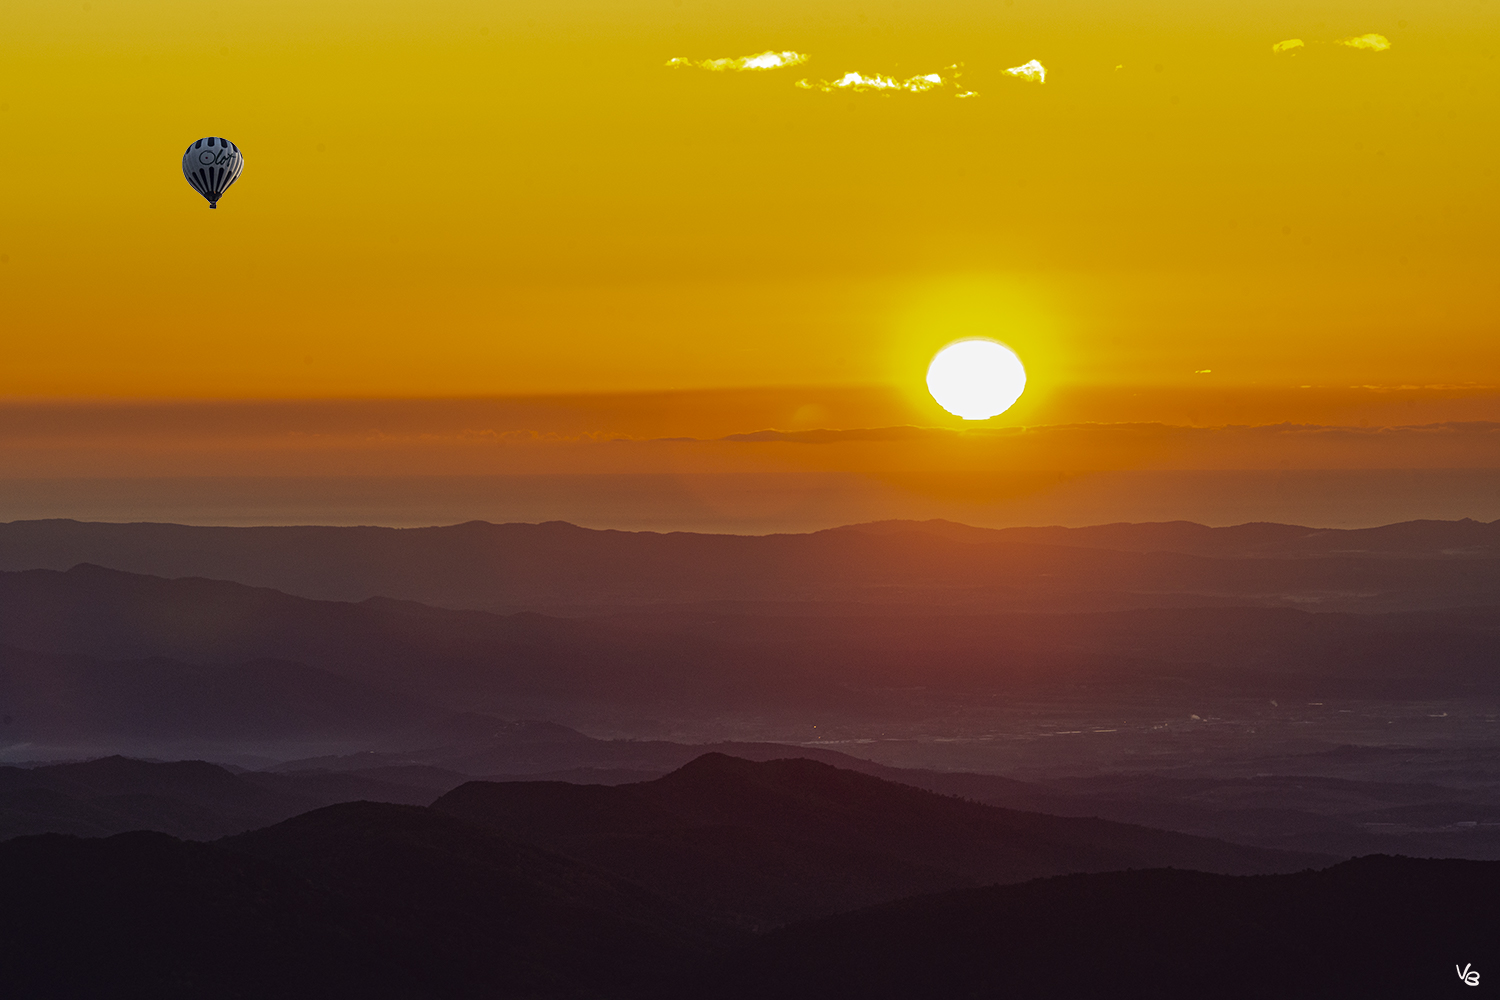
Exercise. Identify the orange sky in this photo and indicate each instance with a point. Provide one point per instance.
(459, 200)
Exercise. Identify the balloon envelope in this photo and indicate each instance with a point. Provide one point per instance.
(211, 165)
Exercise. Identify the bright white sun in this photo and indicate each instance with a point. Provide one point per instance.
(976, 379)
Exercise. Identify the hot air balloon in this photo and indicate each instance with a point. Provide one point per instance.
(211, 165)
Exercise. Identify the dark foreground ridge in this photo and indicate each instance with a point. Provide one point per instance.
(370, 900)
(667, 888)
(357, 900)
(757, 844)
(1374, 927)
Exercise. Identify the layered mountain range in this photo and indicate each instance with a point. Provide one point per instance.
(894, 759)
(526, 664)
(560, 568)
(1334, 731)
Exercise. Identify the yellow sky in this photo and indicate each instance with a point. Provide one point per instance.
(461, 198)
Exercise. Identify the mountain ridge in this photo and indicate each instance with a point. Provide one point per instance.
(560, 567)
(532, 665)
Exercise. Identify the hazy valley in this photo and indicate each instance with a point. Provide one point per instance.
(606, 727)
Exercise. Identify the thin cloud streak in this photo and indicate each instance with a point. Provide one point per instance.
(762, 61)
(859, 82)
(877, 83)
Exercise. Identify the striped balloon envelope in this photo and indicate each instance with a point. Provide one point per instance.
(211, 165)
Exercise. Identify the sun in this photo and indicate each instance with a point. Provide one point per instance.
(976, 379)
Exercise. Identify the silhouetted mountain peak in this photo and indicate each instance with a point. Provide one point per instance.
(734, 781)
(714, 766)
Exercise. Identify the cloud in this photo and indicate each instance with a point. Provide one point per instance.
(1032, 71)
(765, 60)
(877, 83)
(1366, 43)
(1369, 43)
(859, 81)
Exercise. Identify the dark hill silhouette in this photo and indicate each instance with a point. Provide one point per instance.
(1373, 927)
(359, 900)
(526, 757)
(770, 842)
(200, 801)
(145, 915)
(365, 900)
(489, 911)
(559, 566)
(197, 800)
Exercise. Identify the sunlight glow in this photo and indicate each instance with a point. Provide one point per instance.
(1033, 71)
(976, 379)
(765, 60)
